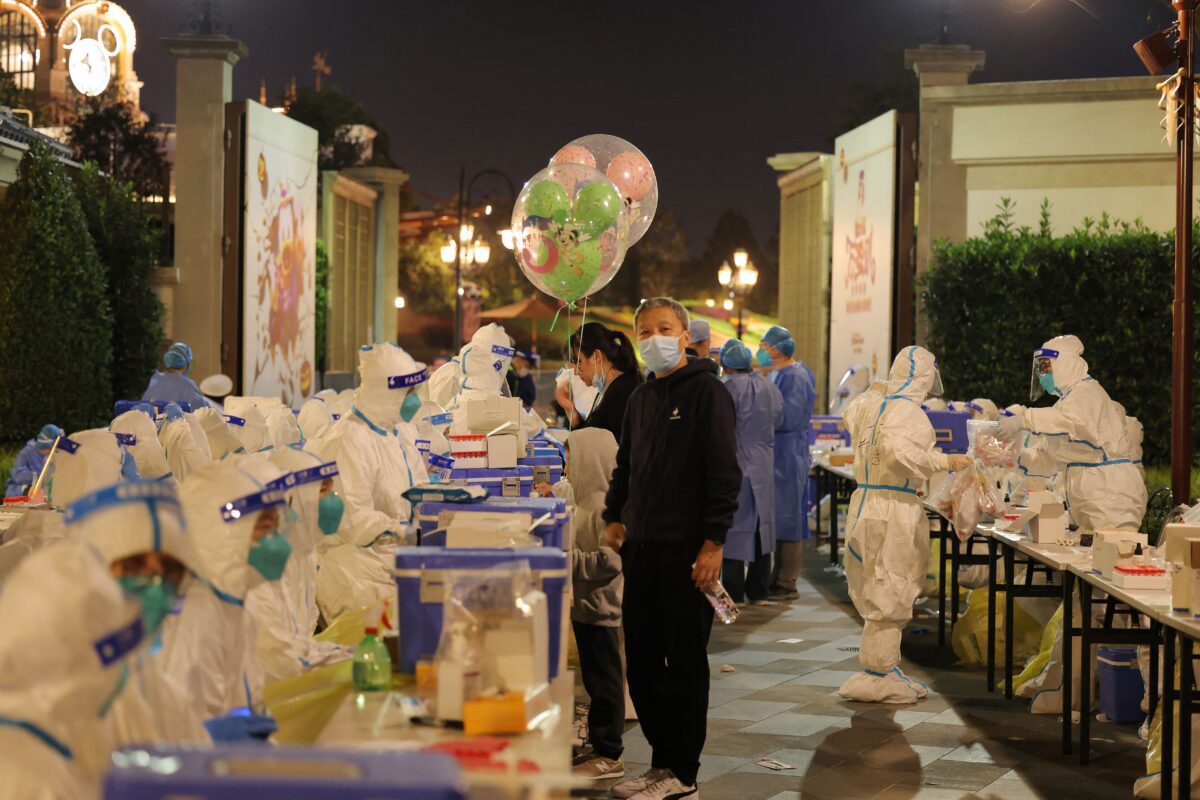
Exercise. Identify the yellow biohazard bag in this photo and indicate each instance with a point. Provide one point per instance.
(1038, 663)
(969, 637)
(303, 704)
(1148, 785)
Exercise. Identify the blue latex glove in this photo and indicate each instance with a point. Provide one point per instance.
(240, 726)
(173, 412)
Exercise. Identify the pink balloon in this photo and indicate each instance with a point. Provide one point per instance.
(574, 154)
(632, 174)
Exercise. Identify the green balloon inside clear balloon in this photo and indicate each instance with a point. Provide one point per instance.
(548, 200)
(576, 271)
(597, 207)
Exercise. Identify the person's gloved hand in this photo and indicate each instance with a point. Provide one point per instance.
(173, 412)
(1011, 425)
(959, 463)
(240, 725)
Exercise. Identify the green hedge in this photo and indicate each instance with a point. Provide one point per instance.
(992, 300)
(55, 321)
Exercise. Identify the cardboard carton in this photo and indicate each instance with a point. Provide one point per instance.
(1175, 542)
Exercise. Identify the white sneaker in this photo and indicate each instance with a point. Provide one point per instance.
(668, 788)
(629, 788)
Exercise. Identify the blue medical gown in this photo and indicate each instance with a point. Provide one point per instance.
(174, 387)
(792, 455)
(25, 470)
(759, 407)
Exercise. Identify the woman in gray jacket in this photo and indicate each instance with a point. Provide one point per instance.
(596, 612)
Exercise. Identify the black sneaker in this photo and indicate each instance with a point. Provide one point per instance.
(782, 593)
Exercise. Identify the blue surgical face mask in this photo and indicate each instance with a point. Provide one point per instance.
(329, 514)
(1047, 382)
(599, 380)
(155, 593)
(661, 353)
(410, 407)
(269, 555)
(763, 357)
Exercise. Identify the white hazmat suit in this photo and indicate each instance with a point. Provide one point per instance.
(887, 545)
(68, 632)
(210, 646)
(125, 520)
(146, 450)
(222, 441)
(84, 462)
(377, 462)
(248, 423)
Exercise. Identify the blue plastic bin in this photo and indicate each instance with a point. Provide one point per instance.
(500, 482)
(421, 582)
(274, 773)
(1121, 686)
(546, 469)
(551, 532)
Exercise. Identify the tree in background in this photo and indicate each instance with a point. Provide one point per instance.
(10, 94)
(122, 142)
(731, 232)
(127, 245)
(55, 323)
(332, 113)
(322, 300)
(426, 283)
(659, 264)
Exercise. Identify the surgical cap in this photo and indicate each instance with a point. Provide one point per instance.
(699, 330)
(735, 355)
(47, 435)
(781, 339)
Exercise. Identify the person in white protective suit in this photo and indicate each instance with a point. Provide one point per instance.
(377, 462)
(482, 365)
(315, 419)
(233, 520)
(84, 462)
(184, 442)
(342, 404)
(983, 409)
(934, 404)
(222, 441)
(139, 529)
(1086, 440)
(282, 427)
(286, 610)
(248, 424)
(69, 631)
(854, 382)
(146, 449)
(887, 544)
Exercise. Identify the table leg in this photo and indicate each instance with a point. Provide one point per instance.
(1155, 628)
(956, 549)
(1085, 672)
(1185, 716)
(1009, 570)
(1168, 713)
(1068, 585)
(942, 530)
(833, 519)
(991, 627)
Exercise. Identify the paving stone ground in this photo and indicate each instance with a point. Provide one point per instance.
(960, 742)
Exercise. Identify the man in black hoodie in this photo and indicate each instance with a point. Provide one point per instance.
(670, 503)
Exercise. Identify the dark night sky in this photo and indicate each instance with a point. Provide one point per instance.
(708, 89)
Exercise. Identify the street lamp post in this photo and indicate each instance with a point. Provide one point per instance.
(740, 280)
(479, 250)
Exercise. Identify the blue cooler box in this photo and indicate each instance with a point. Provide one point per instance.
(291, 773)
(546, 469)
(551, 532)
(511, 482)
(422, 587)
(1121, 684)
(950, 428)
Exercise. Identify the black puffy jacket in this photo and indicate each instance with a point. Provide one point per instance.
(677, 477)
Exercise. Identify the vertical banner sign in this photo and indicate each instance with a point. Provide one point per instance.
(864, 220)
(279, 235)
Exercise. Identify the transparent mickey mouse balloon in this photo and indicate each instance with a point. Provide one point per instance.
(628, 169)
(569, 225)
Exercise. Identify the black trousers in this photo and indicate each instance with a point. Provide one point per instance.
(667, 623)
(600, 663)
(752, 582)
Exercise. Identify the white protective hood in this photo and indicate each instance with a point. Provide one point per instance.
(147, 451)
(388, 373)
(315, 418)
(252, 432)
(131, 518)
(221, 439)
(84, 462)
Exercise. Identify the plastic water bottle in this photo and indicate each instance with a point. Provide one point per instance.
(372, 668)
(727, 610)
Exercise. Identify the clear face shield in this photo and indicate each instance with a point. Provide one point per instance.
(936, 389)
(843, 387)
(1042, 377)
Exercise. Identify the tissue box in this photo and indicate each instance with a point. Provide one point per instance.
(1112, 547)
(489, 529)
(508, 713)
(552, 530)
(1049, 524)
(502, 451)
(1176, 537)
